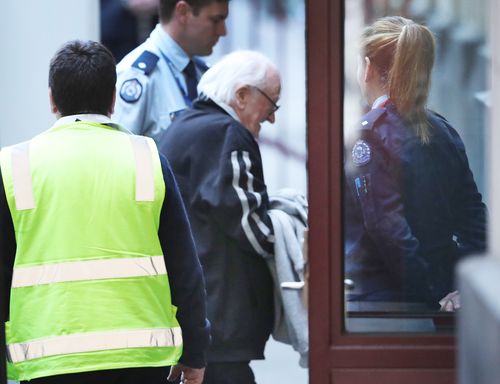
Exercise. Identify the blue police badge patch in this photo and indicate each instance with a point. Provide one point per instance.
(131, 90)
(361, 153)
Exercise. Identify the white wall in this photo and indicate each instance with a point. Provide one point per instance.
(31, 31)
(494, 144)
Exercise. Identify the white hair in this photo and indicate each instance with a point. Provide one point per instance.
(234, 70)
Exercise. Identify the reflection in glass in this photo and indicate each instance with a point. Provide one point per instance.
(413, 208)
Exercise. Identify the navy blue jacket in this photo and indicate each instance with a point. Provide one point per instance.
(217, 163)
(412, 209)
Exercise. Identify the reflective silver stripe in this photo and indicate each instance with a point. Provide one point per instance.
(95, 341)
(23, 185)
(88, 270)
(21, 177)
(144, 179)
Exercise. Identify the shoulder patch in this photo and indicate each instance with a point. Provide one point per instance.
(361, 153)
(131, 90)
(146, 62)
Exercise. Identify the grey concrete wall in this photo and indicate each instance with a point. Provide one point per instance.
(479, 321)
(30, 33)
(494, 144)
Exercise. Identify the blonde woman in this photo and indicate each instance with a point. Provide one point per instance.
(412, 206)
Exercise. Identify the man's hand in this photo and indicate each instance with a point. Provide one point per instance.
(188, 375)
(451, 302)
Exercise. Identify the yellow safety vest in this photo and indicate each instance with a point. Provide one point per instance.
(90, 289)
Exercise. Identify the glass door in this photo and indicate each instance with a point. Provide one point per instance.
(358, 332)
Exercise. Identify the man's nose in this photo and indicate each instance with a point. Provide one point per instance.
(222, 29)
(271, 118)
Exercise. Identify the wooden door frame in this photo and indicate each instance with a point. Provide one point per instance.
(336, 357)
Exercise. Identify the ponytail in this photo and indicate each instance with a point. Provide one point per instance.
(404, 53)
(410, 76)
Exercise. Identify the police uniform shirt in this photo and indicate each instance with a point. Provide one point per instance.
(151, 88)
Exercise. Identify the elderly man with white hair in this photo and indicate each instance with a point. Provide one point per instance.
(215, 156)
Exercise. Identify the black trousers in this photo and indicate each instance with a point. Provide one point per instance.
(144, 375)
(238, 372)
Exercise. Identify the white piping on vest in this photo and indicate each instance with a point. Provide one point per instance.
(88, 270)
(93, 342)
(21, 176)
(144, 179)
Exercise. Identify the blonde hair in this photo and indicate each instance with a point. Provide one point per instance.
(403, 53)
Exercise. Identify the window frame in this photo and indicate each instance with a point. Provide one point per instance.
(335, 356)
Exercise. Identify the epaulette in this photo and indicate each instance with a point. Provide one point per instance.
(371, 118)
(200, 64)
(361, 152)
(146, 62)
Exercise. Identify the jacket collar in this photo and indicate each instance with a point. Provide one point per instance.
(93, 118)
(169, 48)
(230, 110)
(380, 102)
(205, 100)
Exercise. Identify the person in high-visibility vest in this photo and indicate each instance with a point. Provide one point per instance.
(104, 282)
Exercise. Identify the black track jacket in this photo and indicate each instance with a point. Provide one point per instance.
(218, 166)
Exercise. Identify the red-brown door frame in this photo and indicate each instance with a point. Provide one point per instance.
(336, 357)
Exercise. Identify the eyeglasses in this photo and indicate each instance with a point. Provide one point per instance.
(275, 106)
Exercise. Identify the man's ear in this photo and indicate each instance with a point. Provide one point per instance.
(53, 107)
(181, 10)
(241, 96)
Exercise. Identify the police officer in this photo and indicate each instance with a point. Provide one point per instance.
(91, 222)
(412, 206)
(157, 80)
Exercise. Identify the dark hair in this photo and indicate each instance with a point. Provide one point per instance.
(166, 7)
(403, 53)
(82, 78)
